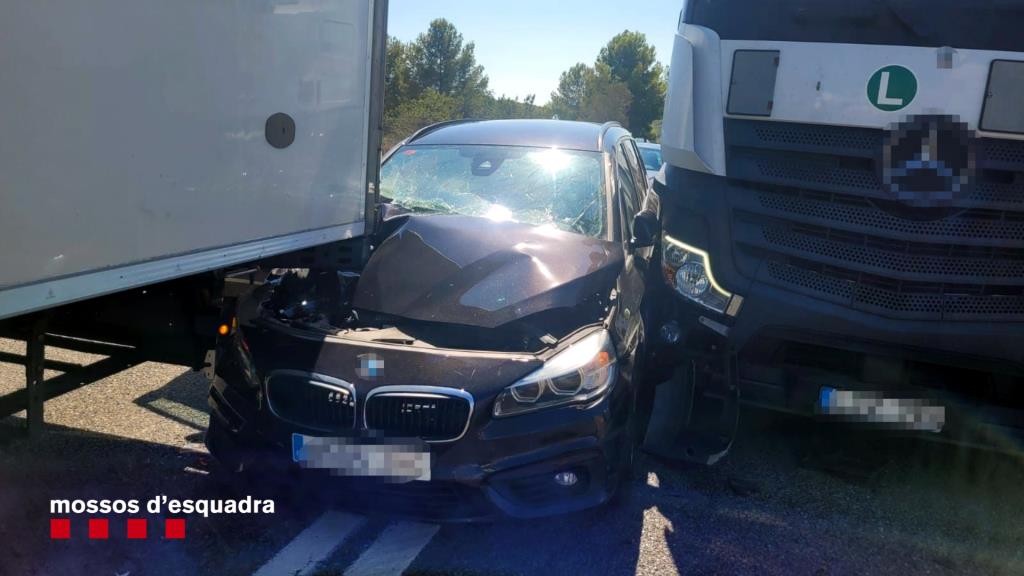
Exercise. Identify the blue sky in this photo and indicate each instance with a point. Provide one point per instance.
(526, 44)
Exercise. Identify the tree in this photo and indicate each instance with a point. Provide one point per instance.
(632, 61)
(440, 61)
(606, 99)
(656, 130)
(436, 78)
(591, 94)
(396, 73)
(573, 86)
(415, 113)
(504, 107)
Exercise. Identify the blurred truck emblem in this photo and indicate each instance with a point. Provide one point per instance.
(928, 161)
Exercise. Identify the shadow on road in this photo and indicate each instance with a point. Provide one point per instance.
(797, 497)
(182, 400)
(792, 498)
(776, 506)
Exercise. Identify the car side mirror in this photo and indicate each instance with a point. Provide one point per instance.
(646, 230)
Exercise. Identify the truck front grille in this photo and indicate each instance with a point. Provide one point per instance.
(435, 416)
(809, 201)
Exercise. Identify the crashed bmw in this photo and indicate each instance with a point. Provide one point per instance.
(486, 360)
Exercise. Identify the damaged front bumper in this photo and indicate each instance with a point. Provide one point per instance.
(480, 468)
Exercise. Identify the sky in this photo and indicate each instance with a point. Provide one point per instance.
(526, 44)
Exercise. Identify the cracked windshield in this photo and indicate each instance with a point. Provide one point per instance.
(539, 186)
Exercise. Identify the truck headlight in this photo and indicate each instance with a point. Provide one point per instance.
(580, 373)
(688, 272)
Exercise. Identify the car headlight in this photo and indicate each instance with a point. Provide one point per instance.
(688, 272)
(580, 373)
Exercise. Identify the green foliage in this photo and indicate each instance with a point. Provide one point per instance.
(607, 99)
(656, 131)
(573, 86)
(591, 94)
(411, 114)
(396, 74)
(438, 59)
(436, 77)
(503, 107)
(626, 84)
(632, 61)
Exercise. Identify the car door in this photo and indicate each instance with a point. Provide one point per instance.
(632, 284)
(649, 199)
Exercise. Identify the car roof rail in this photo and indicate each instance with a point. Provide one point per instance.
(604, 130)
(435, 127)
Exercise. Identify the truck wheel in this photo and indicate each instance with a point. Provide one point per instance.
(695, 414)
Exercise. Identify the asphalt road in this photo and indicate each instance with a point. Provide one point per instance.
(790, 499)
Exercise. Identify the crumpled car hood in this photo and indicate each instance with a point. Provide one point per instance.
(477, 272)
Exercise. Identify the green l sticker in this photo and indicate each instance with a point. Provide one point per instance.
(892, 88)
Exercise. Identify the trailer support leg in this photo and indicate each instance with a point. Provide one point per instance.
(35, 355)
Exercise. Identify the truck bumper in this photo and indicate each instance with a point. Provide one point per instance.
(790, 345)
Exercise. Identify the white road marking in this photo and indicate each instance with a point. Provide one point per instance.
(313, 545)
(394, 550)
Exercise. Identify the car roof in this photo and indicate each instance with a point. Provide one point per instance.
(534, 133)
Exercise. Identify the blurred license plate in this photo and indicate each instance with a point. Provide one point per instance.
(875, 409)
(392, 459)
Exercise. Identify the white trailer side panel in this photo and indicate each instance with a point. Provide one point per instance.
(132, 145)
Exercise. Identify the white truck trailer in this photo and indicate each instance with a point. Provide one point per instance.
(149, 148)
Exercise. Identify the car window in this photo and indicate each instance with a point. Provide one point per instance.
(540, 186)
(627, 191)
(636, 170)
(636, 163)
(652, 159)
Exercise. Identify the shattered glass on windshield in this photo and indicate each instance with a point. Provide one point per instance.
(538, 186)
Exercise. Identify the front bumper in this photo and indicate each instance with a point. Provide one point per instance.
(789, 348)
(789, 344)
(500, 467)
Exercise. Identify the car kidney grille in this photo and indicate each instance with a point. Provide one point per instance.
(432, 417)
(310, 403)
(809, 202)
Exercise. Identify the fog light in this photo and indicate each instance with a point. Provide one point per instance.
(670, 332)
(566, 479)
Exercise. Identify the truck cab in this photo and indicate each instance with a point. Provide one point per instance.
(843, 210)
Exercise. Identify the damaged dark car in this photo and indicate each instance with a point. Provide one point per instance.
(487, 360)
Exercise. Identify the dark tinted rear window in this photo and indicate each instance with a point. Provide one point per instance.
(972, 24)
